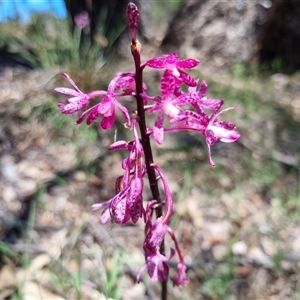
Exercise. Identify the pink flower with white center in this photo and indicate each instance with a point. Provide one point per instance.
(212, 129)
(174, 65)
(164, 105)
(106, 108)
(78, 101)
(198, 100)
(126, 84)
(220, 130)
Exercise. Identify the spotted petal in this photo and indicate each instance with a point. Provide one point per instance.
(187, 63)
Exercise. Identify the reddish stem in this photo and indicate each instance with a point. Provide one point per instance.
(135, 50)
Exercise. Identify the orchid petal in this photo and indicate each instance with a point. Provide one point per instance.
(211, 162)
(180, 277)
(225, 124)
(67, 91)
(92, 115)
(156, 63)
(187, 79)
(119, 145)
(72, 82)
(107, 122)
(172, 58)
(188, 63)
(158, 269)
(158, 130)
(167, 85)
(71, 108)
(124, 111)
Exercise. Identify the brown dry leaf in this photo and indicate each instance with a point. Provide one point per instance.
(190, 206)
(133, 291)
(90, 293)
(242, 271)
(94, 179)
(217, 232)
(34, 271)
(33, 291)
(38, 263)
(54, 245)
(43, 277)
(7, 278)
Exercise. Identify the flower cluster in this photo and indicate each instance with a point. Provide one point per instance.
(176, 108)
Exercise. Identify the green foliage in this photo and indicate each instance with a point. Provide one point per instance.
(63, 128)
(47, 42)
(28, 239)
(113, 276)
(254, 69)
(217, 285)
(278, 258)
(17, 295)
(238, 69)
(5, 250)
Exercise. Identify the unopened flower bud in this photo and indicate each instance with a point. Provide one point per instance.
(133, 20)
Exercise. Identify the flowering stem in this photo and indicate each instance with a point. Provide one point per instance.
(127, 204)
(135, 50)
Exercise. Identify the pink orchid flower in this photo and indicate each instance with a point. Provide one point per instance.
(173, 64)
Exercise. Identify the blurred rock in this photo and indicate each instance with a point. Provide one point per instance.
(191, 208)
(281, 81)
(238, 31)
(80, 176)
(9, 194)
(239, 248)
(261, 281)
(287, 265)
(296, 244)
(216, 233)
(268, 246)
(135, 291)
(8, 168)
(223, 32)
(258, 256)
(219, 252)
(90, 293)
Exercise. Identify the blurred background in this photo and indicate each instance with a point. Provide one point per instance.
(238, 223)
